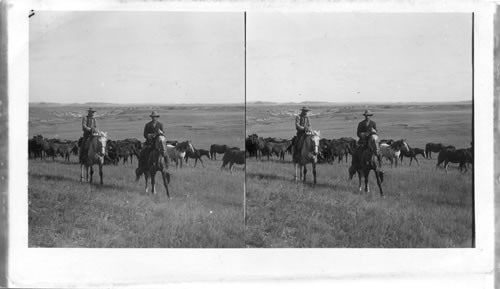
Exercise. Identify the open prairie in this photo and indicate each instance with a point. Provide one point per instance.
(206, 205)
(423, 207)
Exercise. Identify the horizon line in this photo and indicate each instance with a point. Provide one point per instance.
(247, 102)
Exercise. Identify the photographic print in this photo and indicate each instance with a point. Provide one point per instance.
(136, 129)
(360, 130)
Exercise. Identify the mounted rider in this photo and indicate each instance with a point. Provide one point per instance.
(151, 130)
(89, 127)
(365, 129)
(303, 127)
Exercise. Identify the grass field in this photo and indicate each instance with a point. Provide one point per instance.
(423, 208)
(206, 208)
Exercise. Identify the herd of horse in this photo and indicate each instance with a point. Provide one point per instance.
(103, 151)
(314, 150)
(363, 159)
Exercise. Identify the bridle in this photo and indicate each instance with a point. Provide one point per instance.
(159, 144)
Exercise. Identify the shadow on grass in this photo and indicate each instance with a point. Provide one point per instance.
(291, 179)
(56, 161)
(94, 184)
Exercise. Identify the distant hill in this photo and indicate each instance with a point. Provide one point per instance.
(109, 104)
(326, 103)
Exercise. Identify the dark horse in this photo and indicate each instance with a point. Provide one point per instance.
(432, 148)
(412, 154)
(460, 156)
(233, 156)
(157, 160)
(196, 155)
(217, 149)
(307, 153)
(363, 161)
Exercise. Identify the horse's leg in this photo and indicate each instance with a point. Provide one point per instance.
(314, 172)
(81, 172)
(100, 173)
(296, 172)
(366, 173)
(379, 183)
(305, 173)
(446, 166)
(146, 177)
(91, 173)
(153, 190)
(231, 163)
(165, 182)
(201, 162)
(359, 172)
(415, 157)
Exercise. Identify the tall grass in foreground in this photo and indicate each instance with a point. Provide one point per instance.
(206, 208)
(423, 208)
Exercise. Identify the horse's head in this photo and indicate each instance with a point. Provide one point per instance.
(373, 143)
(315, 137)
(160, 144)
(101, 144)
(185, 146)
(404, 146)
(189, 147)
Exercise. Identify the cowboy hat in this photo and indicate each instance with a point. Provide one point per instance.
(305, 109)
(91, 110)
(154, 114)
(368, 113)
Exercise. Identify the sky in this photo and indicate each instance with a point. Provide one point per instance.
(136, 57)
(197, 57)
(356, 57)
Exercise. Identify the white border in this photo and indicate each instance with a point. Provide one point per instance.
(349, 268)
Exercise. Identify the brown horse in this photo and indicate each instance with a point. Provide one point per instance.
(217, 149)
(307, 153)
(233, 156)
(95, 155)
(363, 161)
(157, 160)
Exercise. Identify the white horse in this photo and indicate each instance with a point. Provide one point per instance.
(178, 152)
(95, 155)
(393, 151)
(307, 153)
